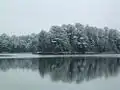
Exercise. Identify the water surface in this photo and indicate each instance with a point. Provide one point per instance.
(60, 74)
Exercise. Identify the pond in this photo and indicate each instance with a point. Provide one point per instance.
(70, 73)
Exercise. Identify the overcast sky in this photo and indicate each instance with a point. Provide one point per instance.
(30, 16)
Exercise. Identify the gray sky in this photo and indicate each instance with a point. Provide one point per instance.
(27, 16)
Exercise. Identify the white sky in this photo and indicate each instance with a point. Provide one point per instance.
(30, 16)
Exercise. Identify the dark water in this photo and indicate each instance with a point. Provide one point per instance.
(60, 74)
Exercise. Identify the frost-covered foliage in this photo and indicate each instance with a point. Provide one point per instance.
(64, 38)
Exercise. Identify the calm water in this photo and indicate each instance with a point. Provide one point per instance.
(60, 74)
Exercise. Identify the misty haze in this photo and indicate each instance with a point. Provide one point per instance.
(59, 45)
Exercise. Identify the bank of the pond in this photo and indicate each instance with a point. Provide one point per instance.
(30, 55)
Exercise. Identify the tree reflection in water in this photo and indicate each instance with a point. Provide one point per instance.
(67, 69)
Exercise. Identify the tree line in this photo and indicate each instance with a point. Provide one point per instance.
(65, 38)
